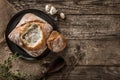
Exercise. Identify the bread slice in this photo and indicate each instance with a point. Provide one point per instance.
(56, 42)
(31, 34)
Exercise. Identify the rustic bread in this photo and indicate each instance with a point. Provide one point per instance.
(31, 34)
(56, 42)
(31, 17)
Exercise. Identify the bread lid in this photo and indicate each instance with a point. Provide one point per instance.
(56, 42)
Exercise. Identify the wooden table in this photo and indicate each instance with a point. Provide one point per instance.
(92, 30)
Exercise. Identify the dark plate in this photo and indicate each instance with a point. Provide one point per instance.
(12, 24)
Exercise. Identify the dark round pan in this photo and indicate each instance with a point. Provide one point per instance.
(12, 24)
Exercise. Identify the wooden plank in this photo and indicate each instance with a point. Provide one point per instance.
(87, 73)
(92, 52)
(90, 26)
(73, 6)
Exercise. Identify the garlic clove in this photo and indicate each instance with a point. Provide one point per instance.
(53, 10)
(48, 7)
(62, 15)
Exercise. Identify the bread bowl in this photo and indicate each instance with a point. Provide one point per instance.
(31, 34)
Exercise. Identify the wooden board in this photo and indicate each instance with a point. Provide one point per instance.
(87, 73)
(92, 30)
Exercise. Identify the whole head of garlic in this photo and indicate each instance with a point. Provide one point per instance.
(50, 9)
(53, 10)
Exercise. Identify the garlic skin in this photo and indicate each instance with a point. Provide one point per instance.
(62, 15)
(53, 10)
(48, 7)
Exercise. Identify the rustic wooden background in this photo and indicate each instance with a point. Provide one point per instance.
(92, 30)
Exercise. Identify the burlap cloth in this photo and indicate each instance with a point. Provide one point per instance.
(6, 12)
(23, 66)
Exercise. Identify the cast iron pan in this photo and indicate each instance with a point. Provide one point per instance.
(12, 24)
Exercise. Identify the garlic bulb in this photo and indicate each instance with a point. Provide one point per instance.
(50, 9)
(53, 10)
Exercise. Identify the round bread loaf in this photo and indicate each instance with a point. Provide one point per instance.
(56, 42)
